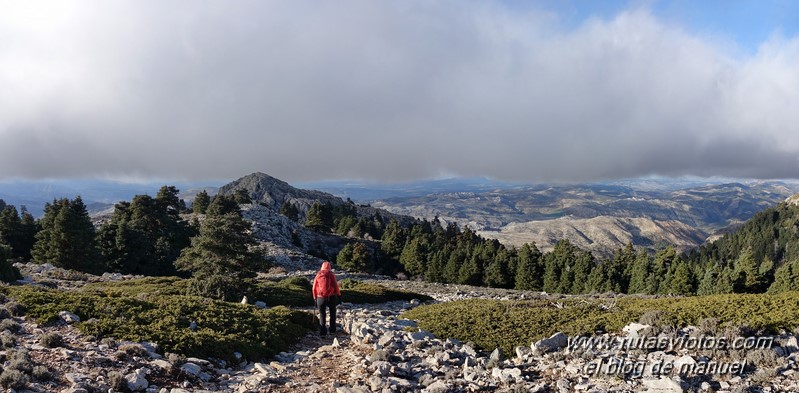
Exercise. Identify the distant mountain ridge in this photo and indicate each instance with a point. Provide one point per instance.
(599, 217)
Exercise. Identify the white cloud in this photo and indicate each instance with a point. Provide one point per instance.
(382, 90)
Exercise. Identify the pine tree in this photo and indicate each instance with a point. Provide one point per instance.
(748, 277)
(708, 285)
(639, 275)
(222, 205)
(18, 231)
(221, 256)
(67, 237)
(201, 202)
(319, 217)
(8, 273)
(496, 272)
(393, 239)
(169, 200)
(454, 262)
(289, 210)
(581, 271)
(786, 278)
(529, 270)
(353, 257)
(143, 237)
(242, 196)
(599, 279)
(413, 256)
(470, 272)
(435, 266)
(681, 279)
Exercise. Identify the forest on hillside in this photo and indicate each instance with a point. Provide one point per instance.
(156, 236)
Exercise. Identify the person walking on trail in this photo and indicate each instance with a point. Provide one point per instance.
(326, 294)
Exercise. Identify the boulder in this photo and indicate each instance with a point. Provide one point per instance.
(137, 380)
(191, 369)
(633, 329)
(69, 317)
(662, 385)
(436, 387)
(555, 342)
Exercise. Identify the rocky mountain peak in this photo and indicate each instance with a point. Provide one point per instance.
(793, 200)
(272, 192)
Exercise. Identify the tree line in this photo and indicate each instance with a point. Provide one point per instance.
(762, 256)
(145, 236)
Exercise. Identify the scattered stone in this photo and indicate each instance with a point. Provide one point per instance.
(69, 317)
(137, 380)
(555, 342)
(662, 385)
(191, 369)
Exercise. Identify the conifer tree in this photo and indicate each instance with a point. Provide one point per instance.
(496, 271)
(18, 231)
(67, 237)
(242, 196)
(599, 279)
(640, 273)
(222, 205)
(201, 202)
(470, 272)
(353, 257)
(748, 277)
(529, 270)
(221, 256)
(144, 236)
(8, 273)
(581, 270)
(681, 279)
(393, 240)
(289, 210)
(709, 282)
(786, 278)
(413, 256)
(319, 217)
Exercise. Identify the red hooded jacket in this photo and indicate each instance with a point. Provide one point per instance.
(325, 284)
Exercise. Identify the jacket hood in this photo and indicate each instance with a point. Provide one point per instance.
(326, 266)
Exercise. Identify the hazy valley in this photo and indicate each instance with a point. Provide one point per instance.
(598, 217)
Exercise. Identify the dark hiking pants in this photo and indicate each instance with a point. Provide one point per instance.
(323, 304)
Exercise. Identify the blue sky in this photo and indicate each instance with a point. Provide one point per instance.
(399, 90)
(746, 23)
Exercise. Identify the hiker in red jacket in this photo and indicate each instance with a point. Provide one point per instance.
(326, 295)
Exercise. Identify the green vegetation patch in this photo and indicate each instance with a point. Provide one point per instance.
(222, 328)
(506, 324)
(296, 292)
(157, 309)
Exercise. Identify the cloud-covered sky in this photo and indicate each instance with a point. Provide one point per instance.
(397, 90)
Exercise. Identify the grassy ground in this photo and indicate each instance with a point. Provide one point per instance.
(506, 324)
(156, 309)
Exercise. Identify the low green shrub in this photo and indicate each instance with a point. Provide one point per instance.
(13, 379)
(507, 324)
(20, 361)
(117, 381)
(51, 340)
(41, 373)
(10, 325)
(348, 283)
(222, 328)
(297, 281)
